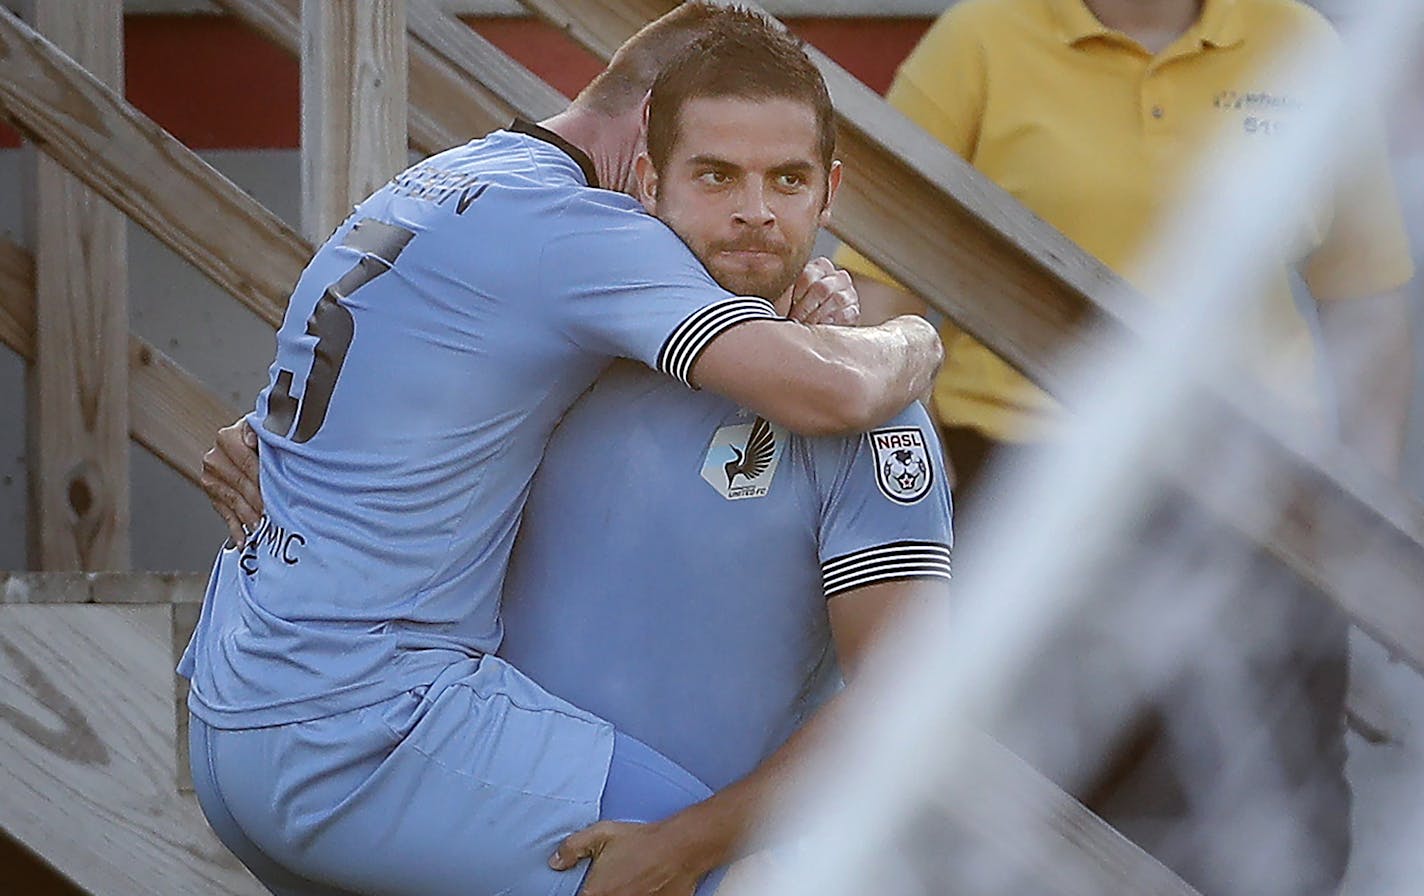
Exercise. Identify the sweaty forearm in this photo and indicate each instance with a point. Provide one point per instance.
(899, 359)
(822, 380)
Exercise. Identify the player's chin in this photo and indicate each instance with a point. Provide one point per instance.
(769, 285)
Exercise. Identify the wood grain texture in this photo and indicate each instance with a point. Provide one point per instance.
(102, 588)
(170, 412)
(353, 105)
(447, 107)
(79, 459)
(163, 186)
(87, 747)
(17, 299)
(487, 78)
(1026, 291)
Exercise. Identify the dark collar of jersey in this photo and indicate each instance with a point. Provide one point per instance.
(590, 176)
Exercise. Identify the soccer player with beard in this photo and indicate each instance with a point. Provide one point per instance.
(687, 570)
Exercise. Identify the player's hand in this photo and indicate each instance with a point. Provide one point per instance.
(629, 860)
(230, 479)
(824, 294)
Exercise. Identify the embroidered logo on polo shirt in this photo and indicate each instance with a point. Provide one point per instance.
(742, 459)
(902, 463)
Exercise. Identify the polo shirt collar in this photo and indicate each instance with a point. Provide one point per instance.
(1219, 24)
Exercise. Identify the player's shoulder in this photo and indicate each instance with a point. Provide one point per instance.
(607, 235)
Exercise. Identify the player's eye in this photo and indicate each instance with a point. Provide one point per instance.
(790, 181)
(714, 178)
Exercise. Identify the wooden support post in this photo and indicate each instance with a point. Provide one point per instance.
(162, 185)
(79, 457)
(353, 105)
(170, 412)
(446, 107)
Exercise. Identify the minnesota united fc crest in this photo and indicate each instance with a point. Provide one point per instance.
(742, 459)
(902, 463)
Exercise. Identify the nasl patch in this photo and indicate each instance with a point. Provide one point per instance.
(902, 463)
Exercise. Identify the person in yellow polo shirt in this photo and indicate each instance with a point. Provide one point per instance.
(1093, 114)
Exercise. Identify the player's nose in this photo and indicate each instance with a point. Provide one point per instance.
(752, 208)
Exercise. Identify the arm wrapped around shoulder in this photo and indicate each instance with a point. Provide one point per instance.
(822, 380)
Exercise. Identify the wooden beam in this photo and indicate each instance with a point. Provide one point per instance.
(80, 462)
(102, 587)
(150, 176)
(17, 299)
(1026, 291)
(446, 107)
(504, 90)
(88, 748)
(353, 105)
(170, 412)
(1000, 813)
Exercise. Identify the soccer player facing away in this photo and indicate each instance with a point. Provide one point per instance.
(687, 570)
(351, 730)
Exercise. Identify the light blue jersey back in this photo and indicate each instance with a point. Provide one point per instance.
(428, 350)
(677, 557)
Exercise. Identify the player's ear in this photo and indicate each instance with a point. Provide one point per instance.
(833, 184)
(643, 121)
(647, 183)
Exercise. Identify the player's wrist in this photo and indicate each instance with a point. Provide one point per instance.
(704, 836)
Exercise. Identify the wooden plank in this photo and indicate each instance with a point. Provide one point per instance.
(353, 105)
(1026, 291)
(170, 412)
(1004, 817)
(184, 621)
(154, 179)
(446, 107)
(504, 89)
(102, 587)
(87, 745)
(17, 299)
(80, 461)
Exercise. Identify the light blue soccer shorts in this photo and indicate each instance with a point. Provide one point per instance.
(464, 787)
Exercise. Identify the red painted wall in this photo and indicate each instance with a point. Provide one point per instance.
(215, 84)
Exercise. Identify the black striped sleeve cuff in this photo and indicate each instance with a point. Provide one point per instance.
(692, 336)
(886, 563)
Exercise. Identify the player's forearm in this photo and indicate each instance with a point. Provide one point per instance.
(857, 378)
(717, 831)
(822, 380)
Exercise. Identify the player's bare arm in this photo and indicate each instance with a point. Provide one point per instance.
(822, 380)
(669, 857)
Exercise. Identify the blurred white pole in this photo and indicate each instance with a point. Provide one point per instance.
(953, 664)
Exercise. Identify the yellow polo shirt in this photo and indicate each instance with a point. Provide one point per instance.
(1097, 137)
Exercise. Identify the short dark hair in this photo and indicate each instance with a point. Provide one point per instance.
(741, 54)
(621, 86)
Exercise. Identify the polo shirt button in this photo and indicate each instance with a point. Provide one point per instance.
(1157, 112)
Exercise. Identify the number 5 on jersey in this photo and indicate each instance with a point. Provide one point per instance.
(331, 323)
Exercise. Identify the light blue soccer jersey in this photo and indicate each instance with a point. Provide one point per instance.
(428, 350)
(678, 554)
